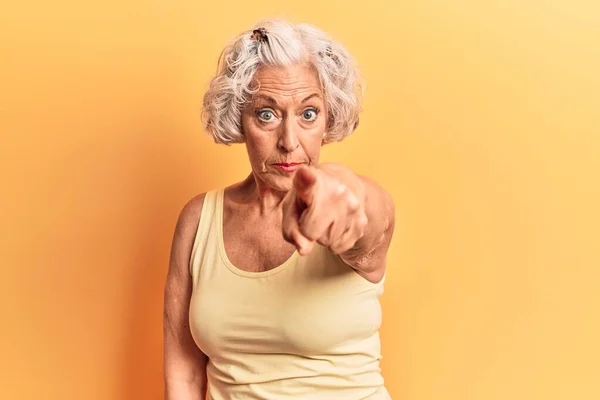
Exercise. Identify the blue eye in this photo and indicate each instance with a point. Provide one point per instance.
(266, 115)
(310, 114)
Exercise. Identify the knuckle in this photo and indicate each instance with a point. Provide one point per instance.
(359, 233)
(363, 221)
(352, 201)
(339, 191)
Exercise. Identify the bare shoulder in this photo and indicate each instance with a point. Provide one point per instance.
(191, 211)
(178, 282)
(185, 229)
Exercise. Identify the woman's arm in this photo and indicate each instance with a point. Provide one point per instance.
(351, 215)
(184, 365)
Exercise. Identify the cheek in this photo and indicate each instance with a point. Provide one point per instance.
(259, 145)
(255, 149)
(315, 136)
(312, 145)
(261, 142)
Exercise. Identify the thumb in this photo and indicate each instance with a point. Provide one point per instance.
(305, 182)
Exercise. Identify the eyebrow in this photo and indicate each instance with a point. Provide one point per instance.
(268, 99)
(310, 97)
(272, 101)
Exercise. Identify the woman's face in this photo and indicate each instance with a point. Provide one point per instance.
(284, 123)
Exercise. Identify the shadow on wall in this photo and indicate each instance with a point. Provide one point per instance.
(166, 176)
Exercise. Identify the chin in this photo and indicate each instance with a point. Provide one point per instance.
(281, 183)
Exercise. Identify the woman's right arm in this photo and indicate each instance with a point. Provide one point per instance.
(184, 364)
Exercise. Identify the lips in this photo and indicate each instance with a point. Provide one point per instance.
(287, 167)
(287, 164)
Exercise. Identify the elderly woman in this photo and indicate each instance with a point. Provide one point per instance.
(274, 282)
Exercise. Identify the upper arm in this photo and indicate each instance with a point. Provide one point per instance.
(183, 361)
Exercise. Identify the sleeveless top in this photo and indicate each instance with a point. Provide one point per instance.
(307, 329)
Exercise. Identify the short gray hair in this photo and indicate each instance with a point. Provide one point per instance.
(280, 43)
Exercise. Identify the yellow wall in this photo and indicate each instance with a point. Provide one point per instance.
(481, 118)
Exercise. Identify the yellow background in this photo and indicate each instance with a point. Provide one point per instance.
(481, 118)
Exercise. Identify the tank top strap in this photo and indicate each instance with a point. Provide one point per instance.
(207, 229)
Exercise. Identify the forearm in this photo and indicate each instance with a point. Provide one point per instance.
(185, 390)
(184, 370)
(379, 209)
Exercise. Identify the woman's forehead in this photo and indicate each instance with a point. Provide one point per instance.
(288, 77)
(296, 83)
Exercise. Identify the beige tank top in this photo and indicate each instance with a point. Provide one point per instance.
(307, 329)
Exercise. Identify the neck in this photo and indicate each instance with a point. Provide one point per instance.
(266, 197)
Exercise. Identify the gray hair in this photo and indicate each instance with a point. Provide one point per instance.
(280, 43)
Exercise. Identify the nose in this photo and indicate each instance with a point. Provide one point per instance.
(288, 135)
